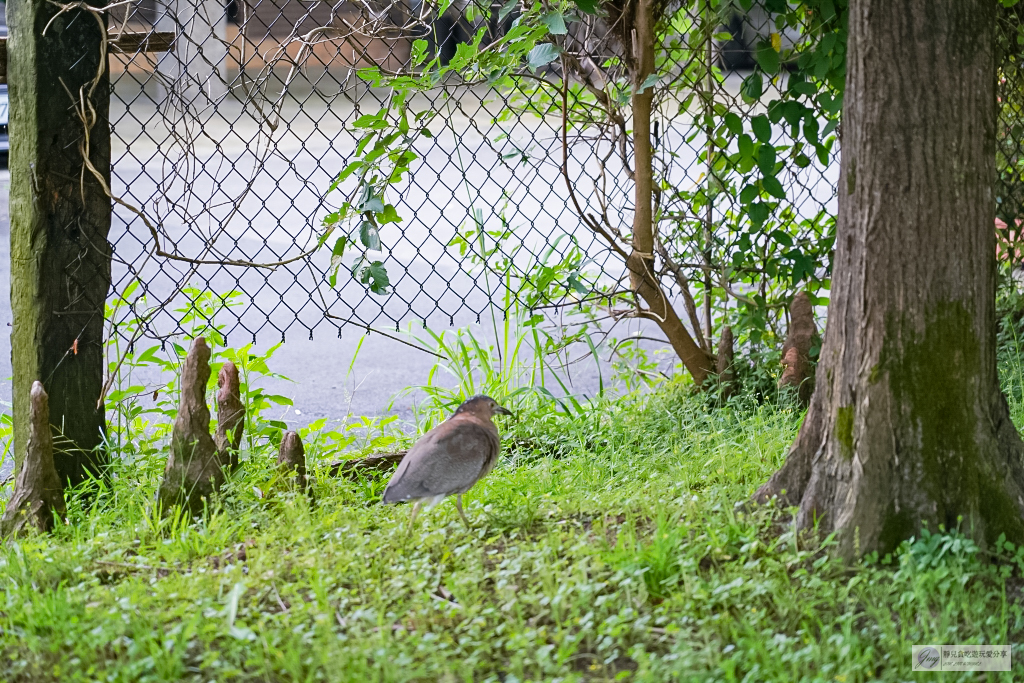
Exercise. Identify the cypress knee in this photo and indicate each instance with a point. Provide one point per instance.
(796, 352)
(38, 495)
(291, 457)
(193, 470)
(230, 415)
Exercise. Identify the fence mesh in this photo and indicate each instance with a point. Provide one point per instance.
(1010, 136)
(226, 147)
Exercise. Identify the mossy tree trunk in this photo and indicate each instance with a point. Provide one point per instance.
(907, 426)
(60, 216)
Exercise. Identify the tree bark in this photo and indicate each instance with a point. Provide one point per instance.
(907, 426)
(60, 216)
(353, 469)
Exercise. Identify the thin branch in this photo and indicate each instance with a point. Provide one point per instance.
(590, 221)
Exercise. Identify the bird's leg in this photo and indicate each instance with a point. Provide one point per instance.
(458, 506)
(415, 511)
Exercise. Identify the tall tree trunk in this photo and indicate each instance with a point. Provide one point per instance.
(907, 426)
(60, 216)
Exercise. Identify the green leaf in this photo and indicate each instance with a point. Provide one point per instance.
(823, 152)
(231, 611)
(507, 9)
(388, 215)
(371, 121)
(782, 238)
(339, 249)
(767, 58)
(803, 88)
(734, 123)
(419, 52)
(758, 214)
(369, 236)
(811, 129)
(773, 187)
(373, 204)
(587, 6)
(792, 112)
(828, 41)
(803, 265)
(377, 277)
(346, 172)
(827, 10)
(358, 266)
(555, 23)
(752, 86)
(766, 160)
(748, 194)
(648, 82)
(762, 128)
(746, 145)
(542, 54)
(574, 283)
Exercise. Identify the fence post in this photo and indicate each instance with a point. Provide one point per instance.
(60, 217)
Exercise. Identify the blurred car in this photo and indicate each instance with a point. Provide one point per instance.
(747, 30)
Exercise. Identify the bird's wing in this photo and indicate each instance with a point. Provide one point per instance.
(448, 459)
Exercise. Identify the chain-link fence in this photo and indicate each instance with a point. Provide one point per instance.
(1010, 135)
(227, 145)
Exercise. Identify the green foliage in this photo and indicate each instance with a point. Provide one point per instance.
(766, 248)
(607, 547)
(145, 394)
(385, 150)
(1010, 342)
(761, 246)
(143, 401)
(520, 369)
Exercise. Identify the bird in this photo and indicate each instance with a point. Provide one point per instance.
(450, 458)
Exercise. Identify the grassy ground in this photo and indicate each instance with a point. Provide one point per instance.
(606, 547)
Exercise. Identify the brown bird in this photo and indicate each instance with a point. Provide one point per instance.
(450, 458)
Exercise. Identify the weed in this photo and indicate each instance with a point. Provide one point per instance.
(607, 546)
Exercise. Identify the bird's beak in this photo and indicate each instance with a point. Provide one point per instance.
(500, 410)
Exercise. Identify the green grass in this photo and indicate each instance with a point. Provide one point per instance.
(607, 546)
